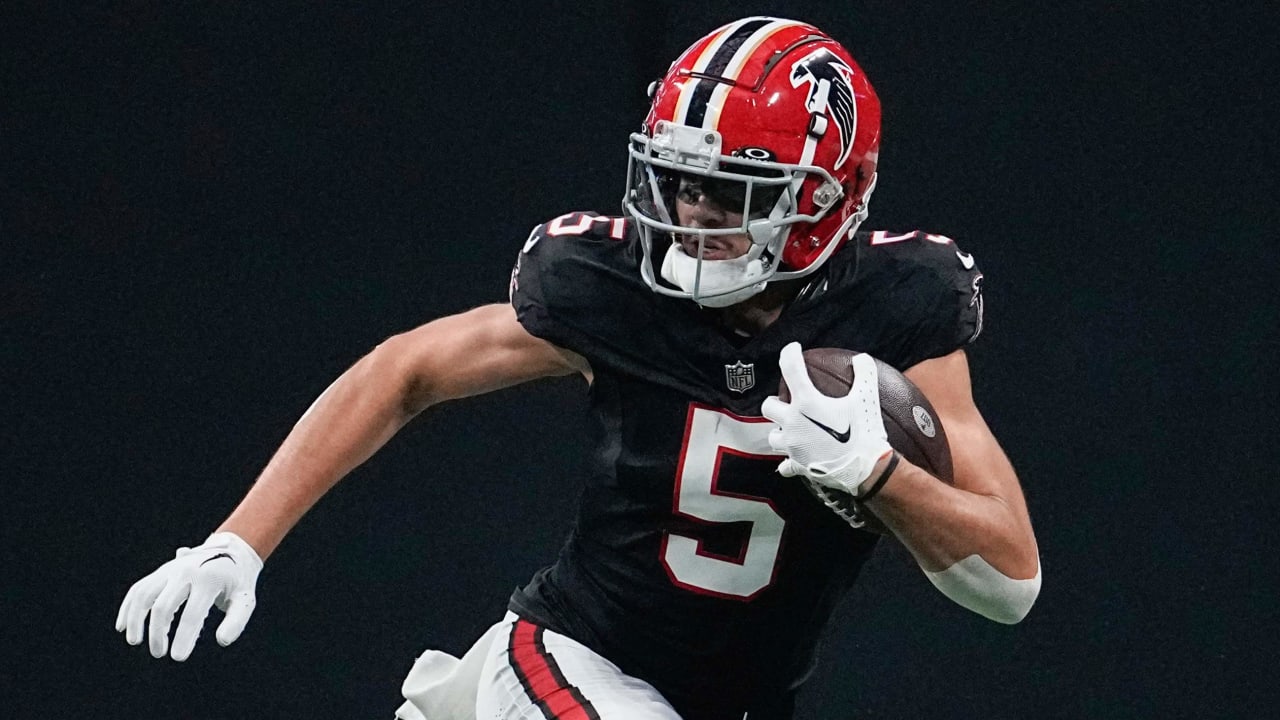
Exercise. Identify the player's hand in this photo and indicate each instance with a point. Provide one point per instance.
(223, 572)
(834, 442)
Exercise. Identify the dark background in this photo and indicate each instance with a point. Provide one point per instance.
(210, 210)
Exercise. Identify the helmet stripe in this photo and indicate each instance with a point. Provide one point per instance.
(716, 101)
(700, 64)
(717, 57)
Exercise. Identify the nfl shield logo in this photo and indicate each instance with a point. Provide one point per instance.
(740, 377)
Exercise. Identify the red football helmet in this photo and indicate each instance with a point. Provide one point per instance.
(767, 117)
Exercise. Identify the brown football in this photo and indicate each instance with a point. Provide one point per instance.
(910, 422)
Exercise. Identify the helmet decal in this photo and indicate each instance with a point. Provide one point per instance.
(830, 91)
(755, 153)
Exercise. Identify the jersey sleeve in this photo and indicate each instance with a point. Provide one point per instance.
(932, 295)
(569, 283)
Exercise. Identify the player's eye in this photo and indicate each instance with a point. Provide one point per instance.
(690, 191)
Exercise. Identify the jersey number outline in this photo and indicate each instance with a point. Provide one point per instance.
(577, 223)
(710, 433)
(882, 237)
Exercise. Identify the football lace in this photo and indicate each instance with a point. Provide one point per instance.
(848, 511)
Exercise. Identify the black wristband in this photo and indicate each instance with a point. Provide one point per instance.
(880, 481)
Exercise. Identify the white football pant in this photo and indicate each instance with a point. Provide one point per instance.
(520, 671)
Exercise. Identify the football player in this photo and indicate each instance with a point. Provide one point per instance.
(700, 572)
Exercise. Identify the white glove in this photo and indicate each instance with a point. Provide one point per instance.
(223, 572)
(834, 442)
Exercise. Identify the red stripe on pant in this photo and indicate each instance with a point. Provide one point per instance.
(541, 676)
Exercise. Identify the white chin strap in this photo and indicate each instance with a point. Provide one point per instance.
(716, 275)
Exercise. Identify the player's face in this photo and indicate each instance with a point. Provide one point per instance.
(695, 209)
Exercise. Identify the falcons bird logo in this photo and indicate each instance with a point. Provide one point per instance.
(830, 93)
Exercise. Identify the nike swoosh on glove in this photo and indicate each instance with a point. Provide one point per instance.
(222, 572)
(834, 442)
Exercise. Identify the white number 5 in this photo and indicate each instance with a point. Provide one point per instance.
(709, 435)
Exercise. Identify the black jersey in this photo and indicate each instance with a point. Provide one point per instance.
(693, 565)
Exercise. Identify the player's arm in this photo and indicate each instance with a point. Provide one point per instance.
(471, 353)
(467, 354)
(974, 540)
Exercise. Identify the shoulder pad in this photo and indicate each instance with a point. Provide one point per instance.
(571, 274)
(937, 251)
(565, 238)
(929, 282)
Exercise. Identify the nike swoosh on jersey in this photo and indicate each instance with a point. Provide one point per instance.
(965, 259)
(215, 557)
(839, 436)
